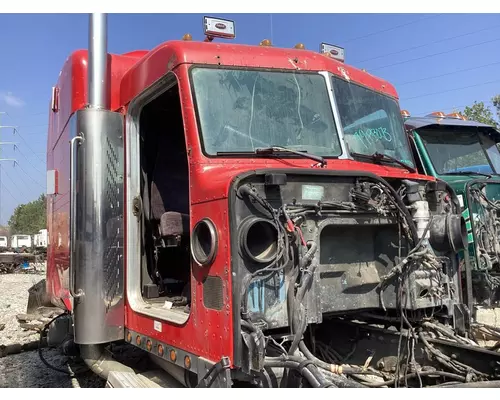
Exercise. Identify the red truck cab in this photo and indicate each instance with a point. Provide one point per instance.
(151, 229)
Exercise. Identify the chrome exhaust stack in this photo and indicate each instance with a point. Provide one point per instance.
(98, 96)
(96, 219)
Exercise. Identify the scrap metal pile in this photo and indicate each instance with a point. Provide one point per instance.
(11, 263)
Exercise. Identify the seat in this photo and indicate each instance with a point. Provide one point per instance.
(173, 227)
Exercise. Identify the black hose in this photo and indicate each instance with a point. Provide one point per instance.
(40, 347)
(307, 370)
(310, 356)
(298, 327)
(482, 384)
(415, 375)
(302, 325)
(337, 379)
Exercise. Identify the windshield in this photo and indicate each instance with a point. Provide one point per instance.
(372, 122)
(241, 110)
(452, 150)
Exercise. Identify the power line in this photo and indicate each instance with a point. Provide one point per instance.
(32, 126)
(26, 143)
(31, 177)
(436, 54)
(453, 108)
(427, 44)
(29, 162)
(30, 115)
(9, 192)
(15, 185)
(451, 90)
(446, 74)
(391, 28)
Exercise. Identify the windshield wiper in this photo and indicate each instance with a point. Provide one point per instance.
(275, 150)
(377, 157)
(279, 149)
(466, 173)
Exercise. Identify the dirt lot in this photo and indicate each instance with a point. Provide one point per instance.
(26, 369)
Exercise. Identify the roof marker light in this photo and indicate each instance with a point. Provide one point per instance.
(187, 37)
(265, 42)
(333, 51)
(405, 114)
(300, 46)
(437, 114)
(216, 27)
(455, 115)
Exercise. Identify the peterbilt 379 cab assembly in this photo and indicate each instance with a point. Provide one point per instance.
(250, 216)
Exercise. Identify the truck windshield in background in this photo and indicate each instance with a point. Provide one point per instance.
(242, 110)
(452, 150)
(371, 121)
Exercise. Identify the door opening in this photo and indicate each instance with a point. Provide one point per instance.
(165, 258)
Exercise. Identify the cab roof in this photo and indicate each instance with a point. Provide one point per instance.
(132, 72)
(251, 56)
(424, 122)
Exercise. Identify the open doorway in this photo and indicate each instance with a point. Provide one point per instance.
(165, 261)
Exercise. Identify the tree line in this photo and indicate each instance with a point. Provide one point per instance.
(479, 112)
(29, 218)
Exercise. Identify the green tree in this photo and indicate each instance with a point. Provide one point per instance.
(496, 104)
(480, 113)
(29, 218)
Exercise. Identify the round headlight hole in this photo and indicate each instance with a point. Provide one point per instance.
(204, 242)
(260, 240)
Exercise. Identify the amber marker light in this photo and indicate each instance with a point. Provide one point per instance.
(405, 114)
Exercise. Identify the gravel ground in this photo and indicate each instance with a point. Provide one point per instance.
(13, 301)
(26, 370)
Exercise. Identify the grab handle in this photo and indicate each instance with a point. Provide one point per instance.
(72, 216)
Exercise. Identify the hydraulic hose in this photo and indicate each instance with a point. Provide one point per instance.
(415, 375)
(299, 323)
(337, 379)
(305, 368)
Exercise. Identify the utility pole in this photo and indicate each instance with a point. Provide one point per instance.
(4, 159)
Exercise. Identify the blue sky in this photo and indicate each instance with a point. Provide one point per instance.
(456, 60)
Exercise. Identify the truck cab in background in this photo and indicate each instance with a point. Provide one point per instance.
(19, 242)
(4, 243)
(465, 154)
